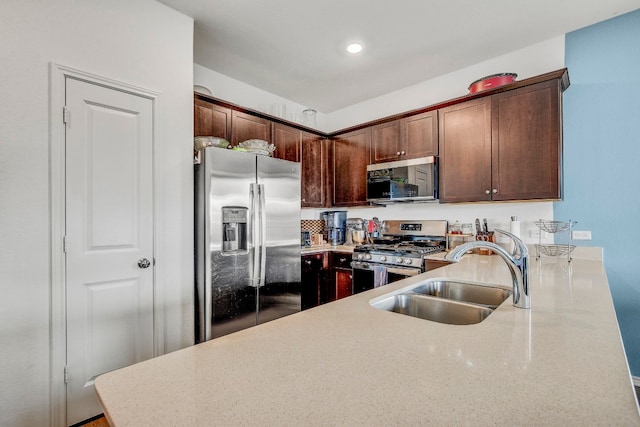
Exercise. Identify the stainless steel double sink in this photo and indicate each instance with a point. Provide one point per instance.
(450, 301)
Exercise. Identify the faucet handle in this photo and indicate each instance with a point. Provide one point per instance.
(518, 247)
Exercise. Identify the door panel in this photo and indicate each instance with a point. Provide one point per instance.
(109, 227)
(280, 293)
(229, 285)
(465, 151)
(526, 153)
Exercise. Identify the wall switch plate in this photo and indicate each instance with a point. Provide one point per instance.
(581, 235)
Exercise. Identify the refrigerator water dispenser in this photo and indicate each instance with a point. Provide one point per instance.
(234, 230)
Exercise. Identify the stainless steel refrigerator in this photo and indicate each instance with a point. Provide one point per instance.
(247, 238)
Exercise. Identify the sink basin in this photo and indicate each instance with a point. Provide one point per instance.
(434, 309)
(487, 296)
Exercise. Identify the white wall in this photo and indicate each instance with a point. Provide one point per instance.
(139, 42)
(528, 62)
(245, 95)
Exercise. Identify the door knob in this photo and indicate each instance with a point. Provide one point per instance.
(144, 263)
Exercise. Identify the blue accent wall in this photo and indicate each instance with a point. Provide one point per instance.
(602, 158)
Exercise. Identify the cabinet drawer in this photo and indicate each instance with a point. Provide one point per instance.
(341, 260)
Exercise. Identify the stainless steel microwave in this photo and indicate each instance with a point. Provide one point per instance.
(413, 180)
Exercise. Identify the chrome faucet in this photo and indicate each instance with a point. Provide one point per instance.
(518, 264)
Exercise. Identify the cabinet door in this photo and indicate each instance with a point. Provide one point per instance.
(341, 274)
(316, 172)
(419, 135)
(211, 120)
(342, 279)
(245, 126)
(351, 155)
(385, 142)
(314, 280)
(527, 143)
(465, 151)
(287, 141)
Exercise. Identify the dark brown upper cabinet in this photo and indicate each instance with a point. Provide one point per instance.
(507, 146)
(351, 155)
(465, 151)
(526, 155)
(211, 120)
(247, 126)
(317, 172)
(419, 135)
(408, 138)
(287, 141)
(385, 142)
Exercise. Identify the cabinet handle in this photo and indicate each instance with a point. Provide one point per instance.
(308, 262)
(495, 191)
(343, 259)
(402, 152)
(487, 192)
(398, 153)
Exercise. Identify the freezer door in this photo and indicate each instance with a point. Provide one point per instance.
(279, 273)
(229, 294)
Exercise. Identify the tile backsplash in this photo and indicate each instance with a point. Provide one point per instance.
(315, 226)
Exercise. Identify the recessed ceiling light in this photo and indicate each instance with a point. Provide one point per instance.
(354, 48)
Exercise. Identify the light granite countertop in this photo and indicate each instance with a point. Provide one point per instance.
(347, 363)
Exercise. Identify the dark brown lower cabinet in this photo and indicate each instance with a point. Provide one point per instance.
(432, 264)
(341, 275)
(315, 279)
(326, 277)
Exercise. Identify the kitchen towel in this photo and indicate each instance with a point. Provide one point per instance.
(379, 276)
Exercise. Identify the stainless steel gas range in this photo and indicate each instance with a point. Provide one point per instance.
(398, 253)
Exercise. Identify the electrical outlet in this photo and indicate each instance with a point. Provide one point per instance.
(535, 233)
(581, 235)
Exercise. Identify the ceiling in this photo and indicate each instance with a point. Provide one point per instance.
(296, 49)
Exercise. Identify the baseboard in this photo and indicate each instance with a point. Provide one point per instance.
(636, 381)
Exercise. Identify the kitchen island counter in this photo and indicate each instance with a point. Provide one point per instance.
(347, 363)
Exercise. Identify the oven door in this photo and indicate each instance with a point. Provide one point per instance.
(367, 275)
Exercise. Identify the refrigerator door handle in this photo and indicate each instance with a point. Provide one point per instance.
(263, 236)
(254, 218)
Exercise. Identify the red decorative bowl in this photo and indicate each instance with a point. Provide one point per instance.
(492, 81)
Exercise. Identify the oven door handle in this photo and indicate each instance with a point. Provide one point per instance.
(404, 271)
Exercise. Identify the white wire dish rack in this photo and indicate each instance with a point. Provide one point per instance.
(555, 249)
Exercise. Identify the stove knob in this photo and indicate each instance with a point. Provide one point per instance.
(383, 258)
(367, 257)
(359, 256)
(408, 261)
(399, 260)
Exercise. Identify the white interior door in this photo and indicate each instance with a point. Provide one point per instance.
(109, 234)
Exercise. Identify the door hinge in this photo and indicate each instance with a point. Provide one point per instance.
(64, 244)
(66, 375)
(66, 115)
